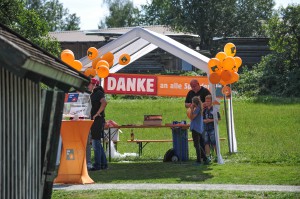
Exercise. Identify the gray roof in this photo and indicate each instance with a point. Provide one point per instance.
(28, 60)
(100, 34)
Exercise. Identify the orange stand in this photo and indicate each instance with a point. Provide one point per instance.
(73, 168)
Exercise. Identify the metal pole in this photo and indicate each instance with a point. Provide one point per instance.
(227, 127)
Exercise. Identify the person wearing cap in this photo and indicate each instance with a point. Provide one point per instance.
(99, 103)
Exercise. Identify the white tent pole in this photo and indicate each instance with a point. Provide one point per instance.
(216, 126)
(232, 133)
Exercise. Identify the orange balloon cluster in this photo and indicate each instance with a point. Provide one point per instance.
(100, 65)
(224, 66)
(68, 57)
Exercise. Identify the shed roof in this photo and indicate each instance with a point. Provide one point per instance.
(27, 60)
(139, 41)
(100, 34)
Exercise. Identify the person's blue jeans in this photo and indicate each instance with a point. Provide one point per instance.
(99, 155)
(88, 152)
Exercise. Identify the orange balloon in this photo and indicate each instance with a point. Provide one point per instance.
(214, 78)
(76, 65)
(221, 56)
(234, 77)
(94, 62)
(111, 64)
(214, 65)
(230, 49)
(67, 56)
(228, 63)
(108, 57)
(235, 69)
(103, 71)
(90, 72)
(92, 53)
(238, 61)
(224, 82)
(226, 75)
(226, 91)
(102, 62)
(124, 59)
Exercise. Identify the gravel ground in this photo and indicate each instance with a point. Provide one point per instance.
(146, 186)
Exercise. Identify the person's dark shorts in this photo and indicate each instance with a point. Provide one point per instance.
(209, 137)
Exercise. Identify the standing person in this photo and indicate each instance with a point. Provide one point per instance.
(88, 153)
(209, 134)
(201, 92)
(196, 127)
(99, 103)
(197, 90)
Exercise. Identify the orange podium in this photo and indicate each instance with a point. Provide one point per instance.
(73, 168)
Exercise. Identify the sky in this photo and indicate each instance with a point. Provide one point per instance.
(92, 11)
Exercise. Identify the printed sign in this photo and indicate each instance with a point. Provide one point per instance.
(177, 86)
(78, 110)
(71, 97)
(160, 85)
(70, 154)
(131, 84)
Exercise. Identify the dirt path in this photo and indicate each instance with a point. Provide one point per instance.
(226, 187)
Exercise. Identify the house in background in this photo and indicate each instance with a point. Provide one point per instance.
(250, 49)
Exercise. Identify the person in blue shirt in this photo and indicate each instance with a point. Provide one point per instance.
(197, 129)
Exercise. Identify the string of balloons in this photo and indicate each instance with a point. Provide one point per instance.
(100, 64)
(223, 68)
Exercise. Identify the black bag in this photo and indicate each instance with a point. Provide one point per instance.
(169, 155)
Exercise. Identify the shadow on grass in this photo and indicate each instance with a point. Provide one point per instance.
(152, 172)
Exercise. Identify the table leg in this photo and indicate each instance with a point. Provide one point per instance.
(109, 146)
(140, 148)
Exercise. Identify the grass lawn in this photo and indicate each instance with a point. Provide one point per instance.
(268, 137)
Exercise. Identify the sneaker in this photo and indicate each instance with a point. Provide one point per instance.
(208, 158)
(206, 162)
(216, 159)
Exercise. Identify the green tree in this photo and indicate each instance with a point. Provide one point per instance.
(210, 19)
(279, 72)
(250, 17)
(55, 14)
(122, 13)
(9, 11)
(28, 24)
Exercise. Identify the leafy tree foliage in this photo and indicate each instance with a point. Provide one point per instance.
(28, 24)
(213, 18)
(278, 73)
(122, 13)
(56, 15)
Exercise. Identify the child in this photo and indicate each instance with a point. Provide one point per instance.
(196, 127)
(208, 118)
